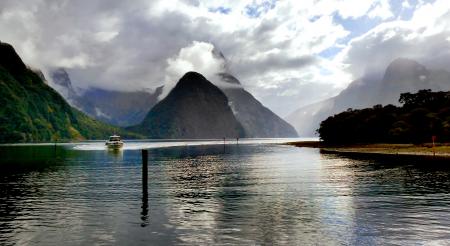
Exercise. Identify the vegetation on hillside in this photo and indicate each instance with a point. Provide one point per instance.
(31, 111)
(422, 115)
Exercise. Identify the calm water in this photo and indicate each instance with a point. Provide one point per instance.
(256, 192)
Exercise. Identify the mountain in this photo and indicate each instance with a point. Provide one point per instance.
(62, 84)
(257, 120)
(359, 94)
(195, 109)
(401, 75)
(130, 108)
(33, 112)
(405, 75)
(120, 108)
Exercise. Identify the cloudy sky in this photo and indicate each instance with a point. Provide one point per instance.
(286, 53)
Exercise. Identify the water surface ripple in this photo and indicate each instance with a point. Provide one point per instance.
(251, 193)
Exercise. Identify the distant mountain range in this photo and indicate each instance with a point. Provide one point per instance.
(194, 108)
(402, 75)
(120, 108)
(32, 111)
(130, 108)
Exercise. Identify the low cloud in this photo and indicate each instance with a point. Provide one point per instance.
(271, 62)
(198, 57)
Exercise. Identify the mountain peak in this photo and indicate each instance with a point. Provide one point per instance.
(405, 66)
(10, 60)
(404, 71)
(192, 81)
(194, 108)
(192, 77)
(61, 82)
(61, 77)
(403, 61)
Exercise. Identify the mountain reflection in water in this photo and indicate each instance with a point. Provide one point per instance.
(258, 193)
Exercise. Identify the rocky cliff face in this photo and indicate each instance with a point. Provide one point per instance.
(120, 108)
(194, 109)
(402, 75)
(62, 84)
(257, 120)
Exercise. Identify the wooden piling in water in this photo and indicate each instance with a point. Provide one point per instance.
(144, 212)
(144, 170)
(54, 150)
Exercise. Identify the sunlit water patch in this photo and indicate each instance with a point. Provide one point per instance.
(247, 193)
(145, 144)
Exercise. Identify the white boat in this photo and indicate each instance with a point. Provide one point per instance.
(114, 141)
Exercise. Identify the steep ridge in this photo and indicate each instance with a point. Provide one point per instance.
(33, 112)
(257, 120)
(194, 109)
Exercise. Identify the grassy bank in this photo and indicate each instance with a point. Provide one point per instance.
(309, 144)
(425, 150)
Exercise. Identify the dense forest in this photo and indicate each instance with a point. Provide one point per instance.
(31, 111)
(422, 115)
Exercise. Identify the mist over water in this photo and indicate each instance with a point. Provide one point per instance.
(204, 192)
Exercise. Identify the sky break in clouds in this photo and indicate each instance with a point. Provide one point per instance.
(287, 53)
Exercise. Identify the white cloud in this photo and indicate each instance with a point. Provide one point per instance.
(80, 60)
(197, 57)
(277, 54)
(406, 4)
(347, 9)
(423, 38)
(382, 10)
(105, 36)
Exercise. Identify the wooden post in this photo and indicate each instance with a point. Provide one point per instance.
(224, 145)
(144, 212)
(144, 170)
(433, 138)
(54, 150)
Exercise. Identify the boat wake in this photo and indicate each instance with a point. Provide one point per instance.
(136, 145)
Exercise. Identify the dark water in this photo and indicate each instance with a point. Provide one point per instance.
(241, 194)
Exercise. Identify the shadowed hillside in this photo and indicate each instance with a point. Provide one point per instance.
(31, 111)
(257, 120)
(194, 108)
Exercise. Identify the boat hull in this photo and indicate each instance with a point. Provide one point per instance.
(114, 145)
